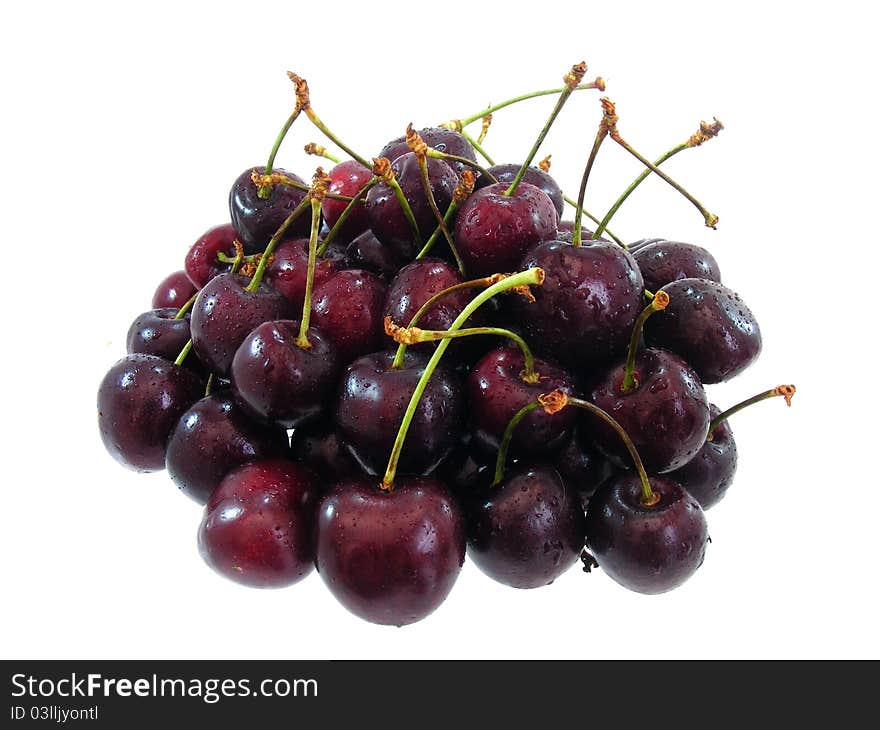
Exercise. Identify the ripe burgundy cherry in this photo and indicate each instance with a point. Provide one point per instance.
(214, 436)
(493, 230)
(663, 262)
(140, 400)
(160, 332)
(441, 139)
(258, 526)
(289, 268)
(256, 218)
(527, 530)
(348, 309)
(648, 549)
(201, 264)
(390, 557)
(708, 475)
(533, 176)
(367, 252)
(225, 312)
(371, 403)
(709, 326)
(347, 178)
(174, 291)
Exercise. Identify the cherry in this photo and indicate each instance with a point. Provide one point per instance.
(496, 391)
(160, 332)
(201, 264)
(565, 232)
(348, 308)
(648, 549)
(347, 178)
(709, 326)
(318, 447)
(439, 138)
(708, 475)
(581, 465)
(387, 218)
(256, 218)
(214, 436)
(279, 381)
(584, 313)
(528, 530)
(226, 311)
(533, 176)
(258, 526)
(467, 471)
(288, 269)
(494, 230)
(367, 252)
(390, 557)
(139, 400)
(174, 291)
(662, 262)
(371, 403)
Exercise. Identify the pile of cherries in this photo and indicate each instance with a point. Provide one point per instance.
(414, 355)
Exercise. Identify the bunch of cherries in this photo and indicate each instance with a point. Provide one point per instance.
(414, 355)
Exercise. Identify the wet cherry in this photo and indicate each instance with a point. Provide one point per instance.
(662, 262)
(347, 178)
(201, 264)
(256, 218)
(174, 291)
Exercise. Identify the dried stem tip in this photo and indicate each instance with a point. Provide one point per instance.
(302, 90)
(575, 75)
(786, 391)
(599, 83)
(465, 186)
(544, 165)
(415, 142)
(553, 402)
(609, 117)
(454, 124)
(706, 132)
(382, 169)
(402, 335)
(313, 148)
(320, 183)
(660, 300)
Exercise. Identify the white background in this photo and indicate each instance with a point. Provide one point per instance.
(122, 131)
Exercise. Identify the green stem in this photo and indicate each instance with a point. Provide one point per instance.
(784, 391)
(187, 348)
(658, 303)
(432, 203)
(578, 218)
(181, 313)
(225, 258)
(291, 183)
(437, 155)
(573, 204)
(273, 243)
(331, 234)
(316, 120)
(447, 219)
(264, 191)
(302, 340)
(530, 277)
(477, 146)
(465, 121)
(501, 459)
(209, 386)
(407, 211)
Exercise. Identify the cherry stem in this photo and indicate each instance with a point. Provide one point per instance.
(273, 243)
(316, 120)
(209, 385)
(630, 382)
(530, 277)
(437, 155)
(601, 134)
(332, 233)
(477, 146)
(784, 391)
(187, 348)
(313, 148)
(432, 203)
(224, 258)
(584, 211)
(264, 191)
(503, 447)
(278, 179)
(302, 340)
(447, 220)
(181, 313)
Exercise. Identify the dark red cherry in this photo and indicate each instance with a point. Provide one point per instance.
(370, 406)
(225, 313)
(256, 219)
(646, 549)
(367, 252)
(565, 232)
(582, 465)
(662, 262)
(390, 557)
(709, 474)
(441, 139)
(201, 264)
(174, 291)
(317, 446)
(280, 382)
(666, 415)
(534, 176)
(709, 326)
(347, 178)
(212, 438)
(289, 268)
(348, 308)
(387, 219)
(493, 231)
(584, 312)
(159, 333)
(140, 400)
(496, 391)
(528, 530)
(258, 526)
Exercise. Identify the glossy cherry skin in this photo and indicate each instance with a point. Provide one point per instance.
(256, 219)
(582, 465)
(646, 549)
(584, 312)
(709, 474)
(496, 391)
(212, 438)
(289, 268)
(367, 252)
(317, 446)
(175, 290)
(140, 400)
(565, 232)
(441, 139)
(347, 178)
(158, 332)
(390, 557)
(387, 220)
(528, 530)
(662, 262)
(258, 526)
(666, 415)
(347, 307)
(493, 231)
(641, 243)
(370, 406)
(279, 382)
(201, 264)
(709, 326)
(506, 173)
(225, 313)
